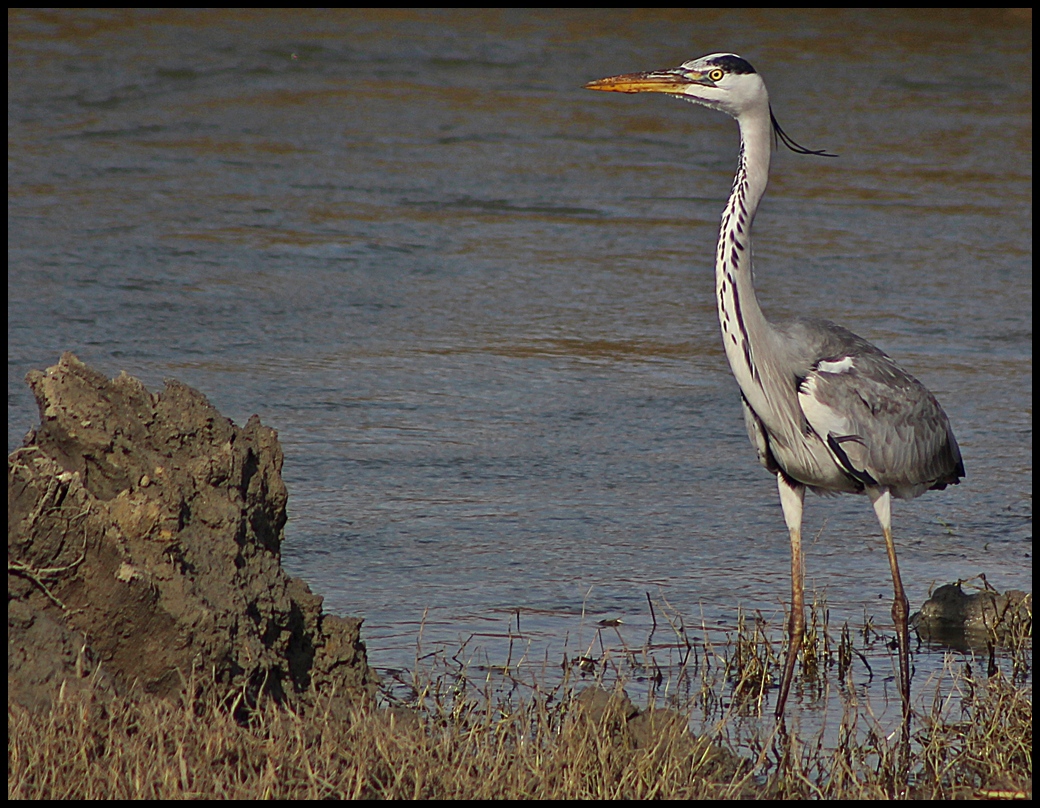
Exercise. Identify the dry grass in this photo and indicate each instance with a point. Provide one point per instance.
(471, 739)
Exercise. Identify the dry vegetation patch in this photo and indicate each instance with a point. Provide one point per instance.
(555, 744)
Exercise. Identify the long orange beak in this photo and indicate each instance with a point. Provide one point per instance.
(659, 81)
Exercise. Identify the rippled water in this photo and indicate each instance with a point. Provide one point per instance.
(476, 301)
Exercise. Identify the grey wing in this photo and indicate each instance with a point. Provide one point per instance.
(882, 426)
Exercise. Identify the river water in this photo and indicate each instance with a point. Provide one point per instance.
(476, 301)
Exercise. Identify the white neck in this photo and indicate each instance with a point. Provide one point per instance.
(740, 316)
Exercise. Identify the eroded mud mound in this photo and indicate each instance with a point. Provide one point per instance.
(144, 535)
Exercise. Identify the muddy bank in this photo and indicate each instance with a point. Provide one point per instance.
(144, 535)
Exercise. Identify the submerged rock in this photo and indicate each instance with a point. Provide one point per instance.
(954, 617)
(144, 536)
(613, 716)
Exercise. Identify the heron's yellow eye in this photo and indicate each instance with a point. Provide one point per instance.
(716, 74)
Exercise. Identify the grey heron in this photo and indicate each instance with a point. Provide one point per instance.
(824, 408)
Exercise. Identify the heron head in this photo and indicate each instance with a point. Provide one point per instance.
(722, 81)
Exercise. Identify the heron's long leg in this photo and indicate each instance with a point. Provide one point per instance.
(882, 501)
(792, 497)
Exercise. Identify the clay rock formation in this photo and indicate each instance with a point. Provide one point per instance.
(144, 537)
